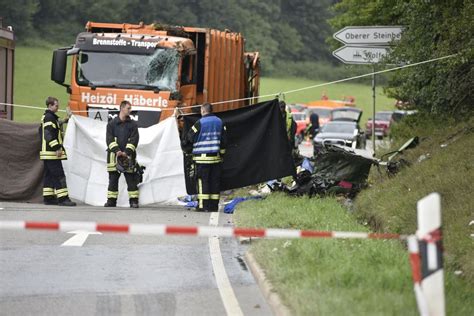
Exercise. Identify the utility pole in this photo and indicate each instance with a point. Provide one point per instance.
(373, 109)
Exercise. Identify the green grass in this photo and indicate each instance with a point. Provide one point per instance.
(364, 277)
(33, 85)
(336, 277)
(448, 170)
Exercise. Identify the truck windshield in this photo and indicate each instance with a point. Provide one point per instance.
(158, 71)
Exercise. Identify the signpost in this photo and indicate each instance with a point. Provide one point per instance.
(366, 45)
(360, 54)
(373, 35)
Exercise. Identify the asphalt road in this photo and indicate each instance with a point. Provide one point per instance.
(118, 274)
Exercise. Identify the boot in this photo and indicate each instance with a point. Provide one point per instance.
(50, 201)
(66, 202)
(134, 203)
(111, 203)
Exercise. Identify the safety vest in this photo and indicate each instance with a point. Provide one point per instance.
(289, 118)
(207, 144)
(51, 137)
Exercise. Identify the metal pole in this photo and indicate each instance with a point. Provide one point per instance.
(373, 110)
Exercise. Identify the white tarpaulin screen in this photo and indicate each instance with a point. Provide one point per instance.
(158, 150)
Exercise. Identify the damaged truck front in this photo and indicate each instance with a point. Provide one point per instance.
(157, 68)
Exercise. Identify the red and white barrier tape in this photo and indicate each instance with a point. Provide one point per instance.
(202, 231)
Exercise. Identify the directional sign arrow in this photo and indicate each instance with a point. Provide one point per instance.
(360, 54)
(373, 35)
(79, 238)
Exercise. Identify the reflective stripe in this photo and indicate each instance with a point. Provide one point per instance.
(51, 155)
(209, 149)
(222, 151)
(53, 143)
(49, 124)
(200, 159)
(62, 192)
(194, 129)
(204, 196)
(204, 157)
(214, 196)
(207, 162)
(111, 165)
(130, 146)
(199, 193)
(133, 194)
(112, 194)
(112, 145)
(208, 142)
(48, 191)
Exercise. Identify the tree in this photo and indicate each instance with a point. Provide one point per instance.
(432, 29)
(19, 14)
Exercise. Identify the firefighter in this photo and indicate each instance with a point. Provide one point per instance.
(122, 141)
(290, 126)
(208, 139)
(52, 152)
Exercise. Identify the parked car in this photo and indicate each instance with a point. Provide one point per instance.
(343, 129)
(383, 120)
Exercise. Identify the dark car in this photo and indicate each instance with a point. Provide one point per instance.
(343, 129)
(383, 120)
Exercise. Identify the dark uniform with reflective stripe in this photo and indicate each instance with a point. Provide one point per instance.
(208, 136)
(121, 136)
(54, 179)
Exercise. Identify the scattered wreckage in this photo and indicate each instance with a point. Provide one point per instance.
(339, 170)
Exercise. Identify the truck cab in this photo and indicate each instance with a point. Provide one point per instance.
(158, 69)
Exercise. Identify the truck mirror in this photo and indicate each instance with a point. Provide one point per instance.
(58, 66)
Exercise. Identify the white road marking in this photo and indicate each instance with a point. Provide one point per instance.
(79, 238)
(229, 300)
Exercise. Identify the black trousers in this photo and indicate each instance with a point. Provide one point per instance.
(132, 186)
(54, 181)
(209, 185)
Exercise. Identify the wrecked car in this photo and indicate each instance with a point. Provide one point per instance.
(343, 130)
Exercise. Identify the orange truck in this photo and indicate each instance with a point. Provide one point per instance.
(157, 68)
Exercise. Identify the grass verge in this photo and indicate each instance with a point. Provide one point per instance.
(372, 277)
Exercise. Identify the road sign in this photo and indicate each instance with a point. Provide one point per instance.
(373, 35)
(360, 54)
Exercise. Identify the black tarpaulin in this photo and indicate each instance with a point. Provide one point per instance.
(21, 170)
(257, 149)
